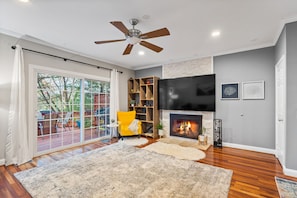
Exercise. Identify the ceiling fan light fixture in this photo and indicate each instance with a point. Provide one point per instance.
(133, 40)
(133, 36)
(134, 32)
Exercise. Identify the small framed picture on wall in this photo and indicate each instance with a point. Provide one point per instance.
(230, 91)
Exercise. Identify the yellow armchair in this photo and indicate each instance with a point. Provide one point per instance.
(124, 120)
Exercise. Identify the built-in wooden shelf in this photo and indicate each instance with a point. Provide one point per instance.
(143, 98)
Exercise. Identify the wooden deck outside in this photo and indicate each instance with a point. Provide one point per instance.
(66, 137)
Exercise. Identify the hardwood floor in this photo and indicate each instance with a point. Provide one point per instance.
(253, 172)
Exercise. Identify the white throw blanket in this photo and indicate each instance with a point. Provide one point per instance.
(134, 126)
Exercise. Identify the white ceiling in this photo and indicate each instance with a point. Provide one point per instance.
(75, 25)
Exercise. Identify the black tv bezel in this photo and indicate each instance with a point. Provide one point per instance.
(192, 109)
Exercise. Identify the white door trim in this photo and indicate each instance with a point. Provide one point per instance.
(32, 100)
(280, 143)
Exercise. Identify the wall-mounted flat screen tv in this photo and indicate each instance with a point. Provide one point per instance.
(196, 93)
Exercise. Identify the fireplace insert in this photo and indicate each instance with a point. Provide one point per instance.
(187, 126)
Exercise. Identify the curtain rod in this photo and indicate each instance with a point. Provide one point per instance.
(66, 59)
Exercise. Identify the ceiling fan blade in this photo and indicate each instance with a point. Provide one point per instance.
(120, 26)
(109, 41)
(156, 33)
(128, 49)
(151, 46)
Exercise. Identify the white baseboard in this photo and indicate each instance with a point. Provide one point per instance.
(290, 172)
(2, 162)
(251, 148)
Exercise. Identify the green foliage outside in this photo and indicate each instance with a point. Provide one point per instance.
(63, 94)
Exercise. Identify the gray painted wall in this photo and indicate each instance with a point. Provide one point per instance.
(247, 122)
(154, 71)
(291, 50)
(6, 63)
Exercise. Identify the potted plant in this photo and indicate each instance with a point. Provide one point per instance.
(132, 103)
(160, 129)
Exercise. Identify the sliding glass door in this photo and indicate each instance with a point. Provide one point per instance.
(70, 111)
(96, 109)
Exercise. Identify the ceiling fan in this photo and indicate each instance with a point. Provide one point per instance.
(134, 36)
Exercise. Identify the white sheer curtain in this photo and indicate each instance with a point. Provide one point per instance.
(114, 96)
(18, 148)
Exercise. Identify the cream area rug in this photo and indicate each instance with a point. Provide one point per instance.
(176, 150)
(185, 143)
(120, 170)
(286, 188)
(133, 141)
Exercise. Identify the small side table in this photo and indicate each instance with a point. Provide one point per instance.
(113, 129)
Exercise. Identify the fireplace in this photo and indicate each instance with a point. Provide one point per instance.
(187, 126)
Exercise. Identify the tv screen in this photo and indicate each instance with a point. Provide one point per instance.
(196, 93)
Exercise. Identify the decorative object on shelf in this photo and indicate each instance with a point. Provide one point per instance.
(132, 103)
(217, 133)
(230, 91)
(253, 90)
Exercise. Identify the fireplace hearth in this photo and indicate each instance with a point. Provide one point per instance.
(184, 125)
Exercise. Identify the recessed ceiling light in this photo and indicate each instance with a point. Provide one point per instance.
(215, 33)
(141, 53)
(24, 1)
